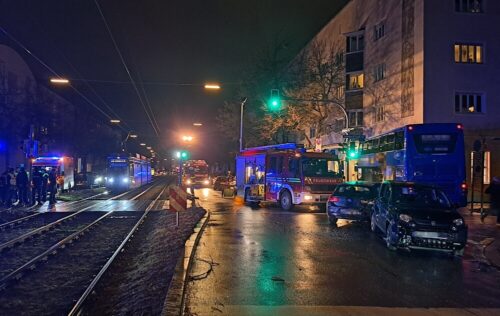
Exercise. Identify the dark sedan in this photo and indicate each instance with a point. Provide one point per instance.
(415, 216)
(352, 201)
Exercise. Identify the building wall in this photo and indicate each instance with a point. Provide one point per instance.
(444, 77)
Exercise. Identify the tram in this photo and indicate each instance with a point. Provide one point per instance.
(127, 172)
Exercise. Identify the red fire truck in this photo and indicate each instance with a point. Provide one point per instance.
(196, 173)
(286, 174)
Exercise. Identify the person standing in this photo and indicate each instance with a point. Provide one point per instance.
(45, 181)
(52, 186)
(36, 182)
(22, 182)
(11, 187)
(494, 191)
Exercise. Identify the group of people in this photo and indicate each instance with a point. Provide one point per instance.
(15, 185)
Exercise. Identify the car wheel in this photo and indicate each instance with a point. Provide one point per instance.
(286, 200)
(373, 224)
(332, 220)
(388, 242)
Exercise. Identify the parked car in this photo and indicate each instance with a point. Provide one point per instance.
(351, 200)
(220, 182)
(417, 216)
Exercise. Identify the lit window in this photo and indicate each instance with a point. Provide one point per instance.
(379, 72)
(355, 81)
(355, 118)
(469, 103)
(379, 31)
(340, 92)
(486, 165)
(469, 6)
(468, 53)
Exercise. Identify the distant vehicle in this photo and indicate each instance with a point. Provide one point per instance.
(286, 174)
(220, 182)
(63, 166)
(423, 153)
(416, 216)
(352, 201)
(89, 180)
(125, 172)
(195, 173)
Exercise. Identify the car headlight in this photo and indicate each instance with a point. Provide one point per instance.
(206, 182)
(188, 181)
(458, 222)
(405, 218)
(111, 180)
(125, 180)
(98, 180)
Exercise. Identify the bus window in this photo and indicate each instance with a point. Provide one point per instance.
(435, 143)
(389, 141)
(399, 140)
(272, 165)
(279, 165)
(375, 147)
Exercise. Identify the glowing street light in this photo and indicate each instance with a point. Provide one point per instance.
(209, 86)
(114, 121)
(133, 135)
(59, 80)
(142, 144)
(187, 138)
(198, 124)
(148, 148)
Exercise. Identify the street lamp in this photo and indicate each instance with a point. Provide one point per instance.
(197, 124)
(142, 144)
(59, 80)
(187, 138)
(242, 104)
(114, 121)
(133, 135)
(210, 86)
(148, 148)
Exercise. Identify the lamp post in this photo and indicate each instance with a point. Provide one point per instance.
(242, 104)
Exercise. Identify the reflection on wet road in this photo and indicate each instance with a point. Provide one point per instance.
(267, 257)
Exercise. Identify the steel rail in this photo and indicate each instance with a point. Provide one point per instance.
(17, 273)
(77, 308)
(25, 218)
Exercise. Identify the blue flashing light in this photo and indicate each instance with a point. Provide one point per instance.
(3, 145)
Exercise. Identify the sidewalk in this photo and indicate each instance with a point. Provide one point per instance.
(484, 233)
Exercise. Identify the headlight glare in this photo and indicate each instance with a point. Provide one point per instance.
(458, 222)
(405, 218)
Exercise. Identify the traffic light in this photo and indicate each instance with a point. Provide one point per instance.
(352, 152)
(274, 103)
(183, 154)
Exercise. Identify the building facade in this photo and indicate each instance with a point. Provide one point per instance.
(422, 61)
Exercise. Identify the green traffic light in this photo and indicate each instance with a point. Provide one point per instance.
(353, 154)
(275, 105)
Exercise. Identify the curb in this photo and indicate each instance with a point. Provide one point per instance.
(175, 301)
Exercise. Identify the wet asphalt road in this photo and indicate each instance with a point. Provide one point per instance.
(268, 257)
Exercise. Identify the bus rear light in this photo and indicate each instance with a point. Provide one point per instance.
(333, 199)
(459, 126)
(410, 128)
(463, 186)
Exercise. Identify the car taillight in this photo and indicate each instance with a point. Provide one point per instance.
(333, 199)
(463, 186)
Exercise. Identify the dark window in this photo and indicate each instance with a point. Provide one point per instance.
(469, 103)
(293, 167)
(469, 6)
(435, 143)
(279, 165)
(379, 31)
(355, 43)
(272, 165)
(399, 142)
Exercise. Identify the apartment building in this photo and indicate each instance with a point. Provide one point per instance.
(422, 61)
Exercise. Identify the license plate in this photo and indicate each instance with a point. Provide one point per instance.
(350, 212)
(430, 235)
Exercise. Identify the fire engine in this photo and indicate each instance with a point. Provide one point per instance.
(196, 173)
(286, 174)
(63, 166)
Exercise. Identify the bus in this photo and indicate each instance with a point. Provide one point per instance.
(126, 172)
(286, 174)
(423, 153)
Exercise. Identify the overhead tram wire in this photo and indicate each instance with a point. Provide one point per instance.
(21, 45)
(125, 65)
(115, 115)
(147, 100)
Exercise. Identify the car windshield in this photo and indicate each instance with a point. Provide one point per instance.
(320, 167)
(417, 196)
(355, 191)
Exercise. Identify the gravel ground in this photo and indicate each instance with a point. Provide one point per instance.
(13, 258)
(12, 214)
(52, 288)
(76, 195)
(10, 233)
(138, 281)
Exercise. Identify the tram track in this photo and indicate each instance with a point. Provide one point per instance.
(116, 227)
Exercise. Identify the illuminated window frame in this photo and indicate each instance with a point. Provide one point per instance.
(468, 53)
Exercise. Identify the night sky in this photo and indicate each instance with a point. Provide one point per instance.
(164, 43)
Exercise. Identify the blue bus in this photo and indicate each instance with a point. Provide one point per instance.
(422, 153)
(125, 172)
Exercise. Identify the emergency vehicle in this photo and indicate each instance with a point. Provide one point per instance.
(286, 174)
(63, 166)
(195, 173)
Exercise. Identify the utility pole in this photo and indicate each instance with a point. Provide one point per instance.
(242, 104)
